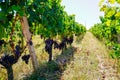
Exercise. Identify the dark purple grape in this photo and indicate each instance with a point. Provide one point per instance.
(17, 53)
(2, 42)
(70, 40)
(17, 47)
(11, 59)
(8, 59)
(62, 44)
(5, 59)
(26, 58)
(48, 47)
(30, 42)
(49, 42)
(56, 45)
(17, 50)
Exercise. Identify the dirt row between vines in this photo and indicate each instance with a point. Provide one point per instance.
(86, 59)
(91, 62)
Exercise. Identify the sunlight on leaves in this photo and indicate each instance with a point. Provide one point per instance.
(108, 22)
(118, 1)
(111, 1)
(117, 15)
(110, 13)
(101, 2)
(103, 8)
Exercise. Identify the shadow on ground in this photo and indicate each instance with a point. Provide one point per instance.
(54, 69)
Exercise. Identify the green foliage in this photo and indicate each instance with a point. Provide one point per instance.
(109, 29)
(45, 17)
(116, 49)
(97, 30)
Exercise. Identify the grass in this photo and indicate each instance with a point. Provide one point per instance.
(79, 62)
(53, 70)
(83, 67)
(89, 57)
(46, 70)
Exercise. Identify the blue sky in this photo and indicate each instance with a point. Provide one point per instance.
(86, 11)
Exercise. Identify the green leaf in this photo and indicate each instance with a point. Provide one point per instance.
(117, 15)
(2, 16)
(103, 8)
(118, 1)
(2, 31)
(21, 13)
(110, 13)
(16, 8)
(111, 1)
(108, 22)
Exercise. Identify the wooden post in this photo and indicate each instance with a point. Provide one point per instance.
(27, 35)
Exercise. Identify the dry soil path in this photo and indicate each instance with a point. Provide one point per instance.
(91, 62)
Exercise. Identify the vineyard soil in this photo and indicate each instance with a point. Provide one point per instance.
(86, 59)
(91, 62)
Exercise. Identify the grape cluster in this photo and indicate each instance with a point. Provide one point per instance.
(17, 50)
(7, 60)
(63, 43)
(59, 45)
(48, 45)
(56, 45)
(2, 42)
(30, 42)
(70, 40)
(26, 58)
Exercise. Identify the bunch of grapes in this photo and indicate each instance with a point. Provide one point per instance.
(70, 40)
(56, 45)
(59, 45)
(30, 42)
(48, 45)
(26, 58)
(62, 45)
(17, 51)
(2, 42)
(7, 60)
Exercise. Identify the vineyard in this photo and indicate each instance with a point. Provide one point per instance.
(39, 40)
(108, 30)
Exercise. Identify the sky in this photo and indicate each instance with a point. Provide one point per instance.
(86, 11)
